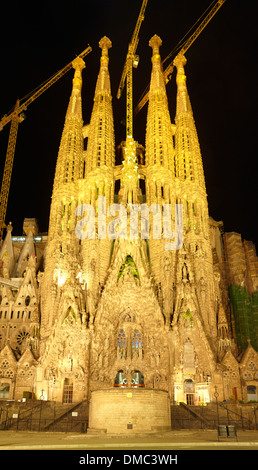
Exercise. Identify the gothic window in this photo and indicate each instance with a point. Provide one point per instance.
(136, 343)
(27, 300)
(121, 344)
(188, 386)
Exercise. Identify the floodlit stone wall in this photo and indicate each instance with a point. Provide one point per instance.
(129, 410)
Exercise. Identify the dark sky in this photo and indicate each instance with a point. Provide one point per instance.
(221, 77)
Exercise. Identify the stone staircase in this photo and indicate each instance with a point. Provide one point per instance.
(208, 417)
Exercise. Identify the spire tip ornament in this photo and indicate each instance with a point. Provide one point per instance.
(105, 44)
(155, 42)
(180, 60)
(78, 64)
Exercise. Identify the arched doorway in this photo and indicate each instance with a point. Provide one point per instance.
(189, 391)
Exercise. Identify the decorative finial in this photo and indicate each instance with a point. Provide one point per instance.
(180, 61)
(155, 42)
(78, 64)
(105, 44)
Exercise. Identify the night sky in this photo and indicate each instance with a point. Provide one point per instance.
(221, 78)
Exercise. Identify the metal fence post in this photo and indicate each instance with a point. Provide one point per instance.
(40, 412)
(255, 418)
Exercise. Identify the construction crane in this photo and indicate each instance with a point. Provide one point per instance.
(16, 116)
(168, 71)
(131, 61)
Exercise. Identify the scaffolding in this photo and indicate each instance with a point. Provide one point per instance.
(245, 311)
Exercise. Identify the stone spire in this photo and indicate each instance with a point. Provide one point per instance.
(101, 141)
(69, 157)
(70, 150)
(97, 186)
(61, 252)
(188, 155)
(159, 138)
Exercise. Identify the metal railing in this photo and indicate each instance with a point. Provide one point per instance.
(192, 417)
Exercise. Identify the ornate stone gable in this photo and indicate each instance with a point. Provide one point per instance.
(128, 335)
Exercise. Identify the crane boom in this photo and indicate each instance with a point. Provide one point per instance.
(168, 71)
(132, 47)
(22, 107)
(127, 73)
(16, 116)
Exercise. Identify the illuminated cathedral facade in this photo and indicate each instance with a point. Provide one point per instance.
(81, 311)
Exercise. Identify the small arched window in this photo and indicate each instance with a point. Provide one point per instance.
(27, 300)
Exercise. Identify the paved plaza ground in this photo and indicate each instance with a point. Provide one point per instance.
(172, 440)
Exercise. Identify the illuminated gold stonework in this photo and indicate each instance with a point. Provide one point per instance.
(104, 313)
